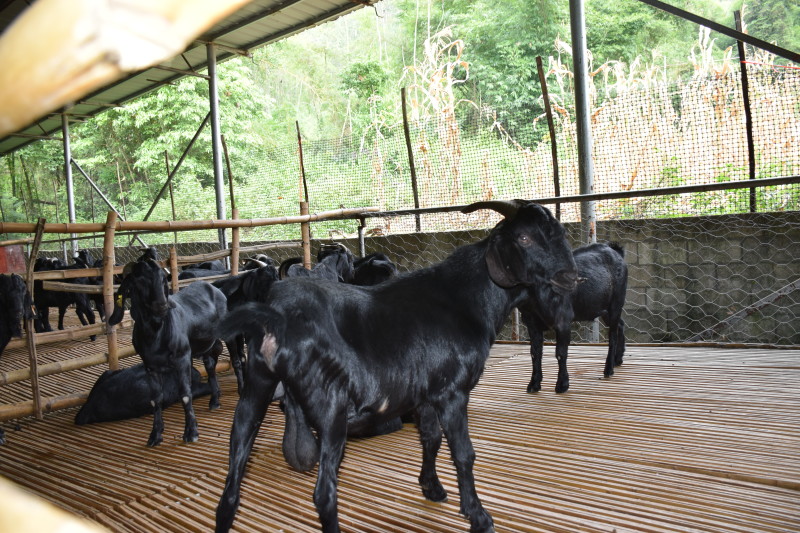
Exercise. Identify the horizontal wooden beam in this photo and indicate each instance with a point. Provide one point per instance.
(185, 225)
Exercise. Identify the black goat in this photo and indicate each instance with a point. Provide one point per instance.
(15, 306)
(334, 262)
(604, 276)
(352, 356)
(61, 299)
(249, 286)
(257, 261)
(125, 393)
(84, 260)
(373, 269)
(167, 332)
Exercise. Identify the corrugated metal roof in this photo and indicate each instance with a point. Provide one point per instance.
(258, 23)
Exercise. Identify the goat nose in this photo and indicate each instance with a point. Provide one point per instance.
(566, 280)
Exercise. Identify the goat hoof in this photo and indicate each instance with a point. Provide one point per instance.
(154, 441)
(534, 387)
(562, 387)
(191, 436)
(213, 406)
(435, 494)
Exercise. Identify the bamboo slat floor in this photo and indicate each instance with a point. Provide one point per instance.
(680, 439)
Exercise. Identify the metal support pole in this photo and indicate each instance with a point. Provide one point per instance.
(584, 130)
(68, 175)
(583, 125)
(216, 142)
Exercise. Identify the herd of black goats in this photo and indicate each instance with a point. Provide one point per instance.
(350, 347)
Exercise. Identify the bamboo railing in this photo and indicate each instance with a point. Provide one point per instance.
(53, 280)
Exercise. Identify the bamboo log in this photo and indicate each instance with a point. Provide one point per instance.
(189, 225)
(234, 241)
(74, 287)
(59, 367)
(199, 258)
(173, 269)
(69, 334)
(36, 402)
(74, 273)
(109, 258)
(269, 246)
(89, 44)
(305, 233)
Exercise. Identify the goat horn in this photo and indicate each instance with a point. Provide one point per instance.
(507, 208)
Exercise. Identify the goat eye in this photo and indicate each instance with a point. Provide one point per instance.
(524, 240)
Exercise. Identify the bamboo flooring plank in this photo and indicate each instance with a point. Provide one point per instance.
(677, 440)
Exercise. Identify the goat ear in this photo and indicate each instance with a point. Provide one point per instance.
(506, 267)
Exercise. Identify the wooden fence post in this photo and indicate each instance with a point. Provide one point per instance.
(109, 260)
(551, 127)
(305, 236)
(29, 333)
(234, 244)
(173, 269)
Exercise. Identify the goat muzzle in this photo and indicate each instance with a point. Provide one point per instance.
(565, 281)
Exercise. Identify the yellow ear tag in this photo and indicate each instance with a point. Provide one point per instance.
(119, 300)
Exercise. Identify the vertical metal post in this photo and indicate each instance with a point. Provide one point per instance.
(410, 152)
(748, 116)
(216, 143)
(584, 130)
(68, 175)
(585, 166)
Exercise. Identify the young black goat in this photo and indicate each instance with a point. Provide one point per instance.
(351, 356)
(62, 300)
(15, 306)
(601, 294)
(167, 332)
(373, 269)
(249, 286)
(334, 262)
(125, 393)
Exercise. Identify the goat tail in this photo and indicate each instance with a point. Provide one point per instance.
(617, 247)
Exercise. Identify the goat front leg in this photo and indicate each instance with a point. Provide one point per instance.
(562, 350)
(537, 347)
(190, 433)
(154, 379)
(430, 436)
(253, 403)
(332, 441)
(453, 417)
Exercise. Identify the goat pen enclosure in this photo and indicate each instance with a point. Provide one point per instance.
(664, 445)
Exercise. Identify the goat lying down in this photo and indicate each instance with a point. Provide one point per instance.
(601, 294)
(125, 393)
(351, 356)
(167, 332)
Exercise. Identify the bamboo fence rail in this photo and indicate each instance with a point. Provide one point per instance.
(39, 404)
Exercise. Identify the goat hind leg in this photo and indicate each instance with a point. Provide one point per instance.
(332, 441)
(430, 436)
(210, 359)
(250, 411)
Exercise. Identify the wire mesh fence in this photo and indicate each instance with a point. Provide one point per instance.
(707, 265)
